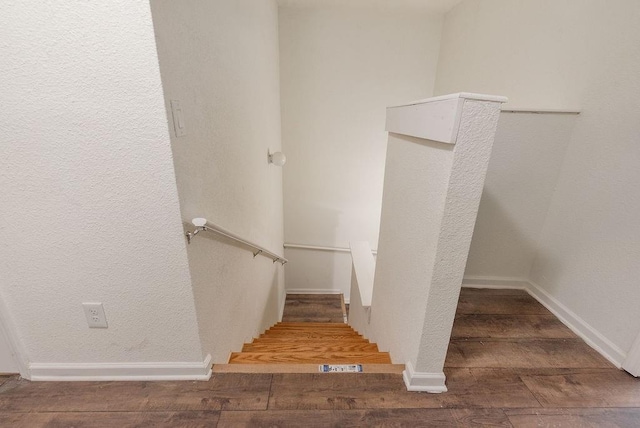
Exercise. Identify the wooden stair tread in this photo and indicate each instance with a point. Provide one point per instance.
(323, 324)
(313, 330)
(298, 343)
(310, 357)
(309, 334)
(307, 324)
(310, 347)
(295, 340)
(312, 325)
(338, 329)
(300, 368)
(304, 345)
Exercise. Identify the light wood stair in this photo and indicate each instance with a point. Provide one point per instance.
(301, 347)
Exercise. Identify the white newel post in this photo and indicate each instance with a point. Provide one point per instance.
(437, 158)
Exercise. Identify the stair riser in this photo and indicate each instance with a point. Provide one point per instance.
(300, 368)
(342, 329)
(306, 324)
(310, 342)
(307, 336)
(309, 358)
(316, 332)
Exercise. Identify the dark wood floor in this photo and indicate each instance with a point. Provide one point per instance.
(313, 308)
(510, 364)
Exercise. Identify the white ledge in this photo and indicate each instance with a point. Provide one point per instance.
(435, 119)
(463, 95)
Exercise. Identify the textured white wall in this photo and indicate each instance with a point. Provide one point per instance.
(340, 67)
(560, 54)
(220, 59)
(89, 203)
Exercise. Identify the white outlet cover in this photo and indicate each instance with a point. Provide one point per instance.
(94, 312)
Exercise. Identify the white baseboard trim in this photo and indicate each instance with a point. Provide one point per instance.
(496, 283)
(579, 326)
(423, 382)
(313, 291)
(121, 371)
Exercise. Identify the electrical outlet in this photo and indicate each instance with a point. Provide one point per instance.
(94, 312)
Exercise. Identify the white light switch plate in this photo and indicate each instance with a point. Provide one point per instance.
(95, 315)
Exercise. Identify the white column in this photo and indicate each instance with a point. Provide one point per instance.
(437, 159)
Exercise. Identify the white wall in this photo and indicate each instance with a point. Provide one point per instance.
(89, 202)
(494, 46)
(559, 54)
(525, 163)
(340, 67)
(220, 59)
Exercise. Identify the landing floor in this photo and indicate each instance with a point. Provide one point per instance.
(510, 363)
(314, 308)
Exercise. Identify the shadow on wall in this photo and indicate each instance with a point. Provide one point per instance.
(236, 295)
(275, 299)
(551, 265)
(526, 161)
(499, 246)
(314, 270)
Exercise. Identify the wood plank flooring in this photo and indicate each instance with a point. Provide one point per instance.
(544, 389)
(313, 308)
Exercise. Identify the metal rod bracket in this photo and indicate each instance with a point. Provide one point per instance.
(191, 235)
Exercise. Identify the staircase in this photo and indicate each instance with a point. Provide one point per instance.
(310, 343)
(301, 347)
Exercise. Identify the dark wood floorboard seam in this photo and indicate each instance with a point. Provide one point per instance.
(533, 394)
(269, 396)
